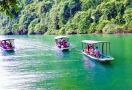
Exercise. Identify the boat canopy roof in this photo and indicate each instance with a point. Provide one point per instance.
(6, 39)
(93, 42)
(58, 37)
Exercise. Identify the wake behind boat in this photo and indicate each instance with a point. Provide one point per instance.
(7, 44)
(62, 43)
(97, 50)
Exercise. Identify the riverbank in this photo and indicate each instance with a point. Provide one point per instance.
(71, 33)
(115, 32)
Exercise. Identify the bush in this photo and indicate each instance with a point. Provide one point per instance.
(101, 25)
(110, 28)
(129, 25)
(1, 31)
(5, 31)
(40, 28)
(51, 32)
(32, 25)
(92, 28)
(15, 28)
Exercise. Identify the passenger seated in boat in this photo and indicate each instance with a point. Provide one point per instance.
(59, 45)
(68, 44)
(64, 44)
(8, 45)
(97, 52)
(91, 50)
(4, 44)
(61, 41)
(87, 50)
(0, 43)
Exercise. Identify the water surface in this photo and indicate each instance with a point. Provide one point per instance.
(37, 65)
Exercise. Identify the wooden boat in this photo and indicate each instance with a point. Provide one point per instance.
(62, 43)
(7, 44)
(103, 52)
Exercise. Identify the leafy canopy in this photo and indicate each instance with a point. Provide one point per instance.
(10, 7)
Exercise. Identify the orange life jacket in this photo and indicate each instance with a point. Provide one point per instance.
(87, 51)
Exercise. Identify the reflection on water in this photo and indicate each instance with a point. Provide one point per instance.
(6, 53)
(88, 63)
(62, 55)
(98, 70)
(7, 70)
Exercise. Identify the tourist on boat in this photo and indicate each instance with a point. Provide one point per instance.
(61, 41)
(0, 42)
(8, 46)
(64, 44)
(59, 45)
(4, 44)
(97, 52)
(91, 50)
(87, 49)
(67, 44)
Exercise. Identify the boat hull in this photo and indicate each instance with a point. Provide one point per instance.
(108, 58)
(64, 49)
(12, 49)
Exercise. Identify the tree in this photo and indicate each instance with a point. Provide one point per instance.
(8, 5)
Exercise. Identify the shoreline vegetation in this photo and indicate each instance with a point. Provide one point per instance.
(116, 32)
(54, 17)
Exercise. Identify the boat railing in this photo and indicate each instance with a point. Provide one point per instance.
(106, 52)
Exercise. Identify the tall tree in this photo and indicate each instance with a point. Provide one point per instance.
(8, 5)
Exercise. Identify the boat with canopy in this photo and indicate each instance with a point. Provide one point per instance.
(7, 44)
(97, 50)
(62, 43)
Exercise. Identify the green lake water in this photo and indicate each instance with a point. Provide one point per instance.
(37, 65)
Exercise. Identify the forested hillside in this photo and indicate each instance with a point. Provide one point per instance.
(68, 17)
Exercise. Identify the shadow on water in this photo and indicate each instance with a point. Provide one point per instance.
(62, 55)
(97, 71)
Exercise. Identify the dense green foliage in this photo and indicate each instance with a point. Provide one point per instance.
(69, 17)
(10, 7)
